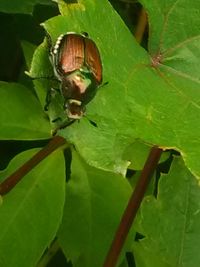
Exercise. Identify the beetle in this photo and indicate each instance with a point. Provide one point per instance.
(77, 65)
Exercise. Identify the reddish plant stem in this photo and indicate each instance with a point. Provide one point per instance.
(141, 26)
(132, 207)
(16, 176)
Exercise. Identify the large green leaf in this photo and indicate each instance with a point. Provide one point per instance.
(158, 105)
(171, 222)
(21, 115)
(95, 201)
(30, 214)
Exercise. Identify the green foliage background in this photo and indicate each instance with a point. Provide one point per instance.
(152, 98)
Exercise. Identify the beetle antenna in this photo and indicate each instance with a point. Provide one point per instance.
(42, 77)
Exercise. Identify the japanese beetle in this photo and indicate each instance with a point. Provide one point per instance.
(77, 65)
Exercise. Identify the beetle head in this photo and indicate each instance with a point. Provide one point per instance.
(74, 109)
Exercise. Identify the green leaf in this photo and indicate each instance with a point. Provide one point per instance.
(156, 104)
(95, 201)
(28, 50)
(21, 114)
(37, 69)
(168, 30)
(21, 6)
(31, 212)
(172, 236)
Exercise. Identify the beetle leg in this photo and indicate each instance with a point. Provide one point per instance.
(64, 125)
(93, 123)
(49, 96)
(85, 34)
(48, 100)
(104, 84)
(49, 41)
(56, 119)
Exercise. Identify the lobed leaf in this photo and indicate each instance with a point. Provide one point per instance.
(170, 223)
(153, 97)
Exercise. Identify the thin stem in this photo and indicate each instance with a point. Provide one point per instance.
(46, 258)
(141, 25)
(132, 207)
(16, 176)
